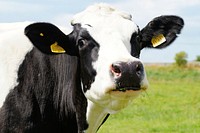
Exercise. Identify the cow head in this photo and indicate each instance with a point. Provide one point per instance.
(108, 44)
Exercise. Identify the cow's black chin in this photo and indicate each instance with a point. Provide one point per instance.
(124, 89)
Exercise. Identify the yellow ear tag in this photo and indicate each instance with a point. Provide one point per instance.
(41, 34)
(55, 48)
(158, 40)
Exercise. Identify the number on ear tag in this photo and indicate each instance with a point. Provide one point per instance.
(158, 40)
(55, 48)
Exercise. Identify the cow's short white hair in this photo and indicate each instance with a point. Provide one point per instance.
(101, 9)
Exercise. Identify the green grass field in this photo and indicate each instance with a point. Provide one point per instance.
(171, 105)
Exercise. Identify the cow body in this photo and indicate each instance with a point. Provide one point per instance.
(71, 83)
(40, 102)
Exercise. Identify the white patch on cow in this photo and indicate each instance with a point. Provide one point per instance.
(5, 27)
(112, 30)
(13, 45)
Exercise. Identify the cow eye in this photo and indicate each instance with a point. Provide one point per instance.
(138, 39)
(81, 43)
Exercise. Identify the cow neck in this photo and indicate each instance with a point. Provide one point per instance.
(95, 116)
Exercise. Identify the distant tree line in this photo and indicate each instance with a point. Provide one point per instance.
(198, 58)
(181, 59)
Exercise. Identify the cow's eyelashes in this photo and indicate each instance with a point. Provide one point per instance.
(81, 43)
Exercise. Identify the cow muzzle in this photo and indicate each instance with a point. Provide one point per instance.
(127, 75)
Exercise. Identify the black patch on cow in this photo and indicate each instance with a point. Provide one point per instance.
(104, 120)
(43, 35)
(48, 98)
(168, 26)
(88, 53)
(135, 44)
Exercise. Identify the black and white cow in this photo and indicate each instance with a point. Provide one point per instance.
(53, 82)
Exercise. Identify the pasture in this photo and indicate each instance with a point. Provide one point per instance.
(171, 105)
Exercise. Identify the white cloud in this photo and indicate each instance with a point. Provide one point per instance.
(63, 19)
(5, 27)
(145, 10)
(156, 5)
(193, 21)
(16, 6)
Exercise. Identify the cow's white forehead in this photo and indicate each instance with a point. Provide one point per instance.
(98, 11)
(106, 22)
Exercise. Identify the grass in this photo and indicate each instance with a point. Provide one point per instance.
(171, 105)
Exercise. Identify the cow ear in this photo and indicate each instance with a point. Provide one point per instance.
(50, 39)
(161, 31)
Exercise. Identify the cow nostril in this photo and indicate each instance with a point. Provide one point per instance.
(115, 69)
(139, 69)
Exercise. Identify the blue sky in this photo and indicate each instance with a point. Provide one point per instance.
(61, 11)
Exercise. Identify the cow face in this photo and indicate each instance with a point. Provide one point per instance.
(107, 68)
(118, 74)
(108, 44)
